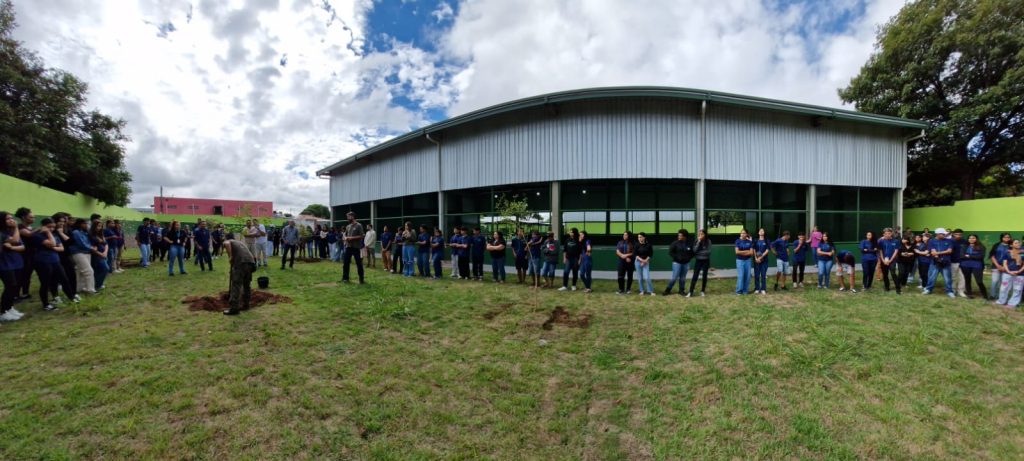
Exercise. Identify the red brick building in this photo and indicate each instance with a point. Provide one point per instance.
(215, 207)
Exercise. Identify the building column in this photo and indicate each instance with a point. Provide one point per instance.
(699, 189)
(812, 209)
(373, 213)
(440, 211)
(899, 211)
(556, 208)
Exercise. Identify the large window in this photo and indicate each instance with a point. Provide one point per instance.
(420, 209)
(733, 206)
(607, 208)
(480, 208)
(847, 213)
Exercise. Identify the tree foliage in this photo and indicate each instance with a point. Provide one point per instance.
(514, 211)
(959, 65)
(47, 136)
(318, 210)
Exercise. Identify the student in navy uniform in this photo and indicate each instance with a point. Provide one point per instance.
(533, 246)
(496, 247)
(397, 252)
(586, 262)
(905, 259)
(780, 248)
(957, 237)
(408, 250)
(110, 238)
(800, 248)
(423, 252)
(436, 250)
(825, 255)
(680, 252)
(521, 255)
(702, 262)
(571, 259)
(744, 249)
(847, 267)
(625, 250)
(924, 260)
(868, 259)
(464, 242)
(888, 249)
(98, 257)
(142, 239)
(550, 252)
(11, 249)
(47, 264)
(643, 254)
(478, 247)
(202, 239)
(456, 235)
(385, 249)
(940, 248)
(26, 218)
(761, 249)
(175, 239)
(1013, 282)
(972, 264)
(995, 256)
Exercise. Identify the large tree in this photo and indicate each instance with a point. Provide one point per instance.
(959, 65)
(47, 136)
(318, 210)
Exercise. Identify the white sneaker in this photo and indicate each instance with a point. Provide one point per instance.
(962, 294)
(702, 294)
(842, 289)
(689, 295)
(9, 317)
(951, 295)
(852, 290)
(50, 308)
(574, 288)
(16, 313)
(926, 292)
(57, 300)
(563, 289)
(76, 299)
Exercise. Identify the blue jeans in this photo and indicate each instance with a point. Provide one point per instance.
(947, 277)
(825, 273)
(534, 266)
(423, 263)
(144, 250)
(112, 257)
(761, 275)
(678, 273)
(586, 271)
(742, 276)
(436, 258)
(408, 260)
(548, 269)
(177, 252)
(100, 269)
(498, 269)
(643, 277)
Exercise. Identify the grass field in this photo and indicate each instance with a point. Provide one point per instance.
(417, 369)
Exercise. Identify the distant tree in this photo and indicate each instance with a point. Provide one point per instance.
(513, 211)
(959, 65)
(245, 210)
(46, 134)
(318, 210)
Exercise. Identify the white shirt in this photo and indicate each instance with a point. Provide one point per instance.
(263, 238)
(370, 239)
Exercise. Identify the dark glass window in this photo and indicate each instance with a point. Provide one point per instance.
(874, 199)
(783, 196)
(538, 196)
(468, 201)
(731, 195)
(661, 194)
(593, 195)
(774, 223)
(362, 211)
(841, 227)
(875, 222)
(418, 205)
(836, 198)
(391, 207)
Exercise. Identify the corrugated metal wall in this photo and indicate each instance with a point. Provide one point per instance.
(756, 145)
(632, 138)
(409, 170)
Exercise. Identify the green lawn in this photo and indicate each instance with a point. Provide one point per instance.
(415, 369)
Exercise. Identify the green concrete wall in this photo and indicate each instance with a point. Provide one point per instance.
(985, 215)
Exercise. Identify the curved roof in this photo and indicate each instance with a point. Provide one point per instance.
(636, 91)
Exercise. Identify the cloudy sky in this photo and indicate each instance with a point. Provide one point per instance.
(248, 98)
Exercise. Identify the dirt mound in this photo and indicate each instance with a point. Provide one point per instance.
(220, 302)
(562, 317)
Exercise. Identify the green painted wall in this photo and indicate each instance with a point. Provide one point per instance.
(985, 215)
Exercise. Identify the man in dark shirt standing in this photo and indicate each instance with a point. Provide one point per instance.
(142, 238)
(353, 243)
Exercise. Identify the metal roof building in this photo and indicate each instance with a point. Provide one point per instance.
(651, 159)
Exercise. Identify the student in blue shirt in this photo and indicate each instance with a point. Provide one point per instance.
(496, 247)
(520, 255)
(1013, 282)
(888, 250)
(800, 248)
(847, 262)
(905, 260)
(586, 262)
(533, 247)
(825, 254)
(995, 256)
(625, 250)
(385, 249)
(142, 239)
(868, 259)
(744, 251)
(423, 252)
(940, 248)
(81, 251)
(110, 238)
(478, 246)
(972, 264)
(455, 237)
(11, 263)
(780, 248)
(436, 250)
(46, 263)
(924, 259)
(550, 252)
(761, 249)
(202, 239)
(408, 250)
(98, 258)
(957, 237)
(175, 238)
(463, 244)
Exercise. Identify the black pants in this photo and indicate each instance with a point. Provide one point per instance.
(10, 280)
(349, 254)
(625, 275)
(478, 266)
(868, 273)
(922, 272)
(978, 275)
(25, 275)
(890, 272)
(69, 271)
(904, 273)
(700, 269)
(571, 266)
(277, 245)
(284, 255)
(188, 252)
(203, 257)
(798, 266)
(464, 266)
(50, 276)
(396, 260)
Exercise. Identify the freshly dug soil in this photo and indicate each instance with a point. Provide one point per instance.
(562, 317)
(219, 303)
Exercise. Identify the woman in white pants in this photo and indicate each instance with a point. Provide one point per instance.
(81, 255)
(1013, 281)
(995, 256)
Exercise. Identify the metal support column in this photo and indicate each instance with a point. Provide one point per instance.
(440, 211)
(699, 189)
(899, 211)
(373, 213)
(812, 209)
(556, 208)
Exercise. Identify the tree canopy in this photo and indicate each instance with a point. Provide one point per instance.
(318, 210)
(959, 65)
(47, 134)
